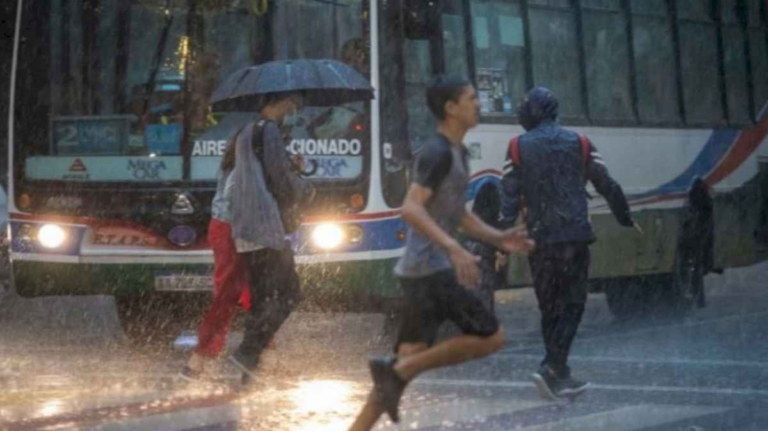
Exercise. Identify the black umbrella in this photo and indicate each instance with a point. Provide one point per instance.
(323, 82)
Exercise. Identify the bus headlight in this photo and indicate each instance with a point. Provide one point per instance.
(51, 236)
(327, 236)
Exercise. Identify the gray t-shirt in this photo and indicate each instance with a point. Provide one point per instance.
(444, 169)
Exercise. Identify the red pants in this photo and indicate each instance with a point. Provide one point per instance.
(230, 286)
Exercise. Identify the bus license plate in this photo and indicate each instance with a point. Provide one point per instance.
(184, 283)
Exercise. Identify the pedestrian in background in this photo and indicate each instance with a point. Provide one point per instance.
(545, 175)
(487, 207)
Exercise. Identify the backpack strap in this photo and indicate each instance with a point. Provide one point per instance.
(257, 139)
(257, 143)
(586, 148)
(514, 151)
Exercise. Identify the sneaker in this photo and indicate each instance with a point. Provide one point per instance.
(546, 382)
(570, 387)
(388, 386)
(189, 374)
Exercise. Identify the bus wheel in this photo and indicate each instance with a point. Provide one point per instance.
(640, 297)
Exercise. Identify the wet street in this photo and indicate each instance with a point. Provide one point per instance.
(64, 365)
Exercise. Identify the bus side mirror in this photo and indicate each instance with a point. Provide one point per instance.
(421, 18)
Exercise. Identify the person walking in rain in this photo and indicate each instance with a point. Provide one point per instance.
(545, 176)
(697, 242)
(264, 183)
(487, 206)
(230, 275)
(435, 270)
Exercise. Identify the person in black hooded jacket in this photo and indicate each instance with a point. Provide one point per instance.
(544, 177)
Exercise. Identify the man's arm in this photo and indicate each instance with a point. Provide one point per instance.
(473, 226)
(277, 166)
(514, 240)
(431, 168)
(598, 174)
(415, 214)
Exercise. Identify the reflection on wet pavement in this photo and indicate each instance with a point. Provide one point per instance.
(705, 370)
(316, 405)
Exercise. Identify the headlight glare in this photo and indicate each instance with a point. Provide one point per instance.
(51, 236)
(327, 236)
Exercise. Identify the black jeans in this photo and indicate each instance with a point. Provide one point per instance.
(560, 273)
(275, 292)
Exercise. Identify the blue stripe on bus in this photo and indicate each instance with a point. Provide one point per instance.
(718, 145)
(378, 235)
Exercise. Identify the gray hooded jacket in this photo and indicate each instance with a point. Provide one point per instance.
(255, 213)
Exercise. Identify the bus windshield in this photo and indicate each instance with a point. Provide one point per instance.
(118, 91)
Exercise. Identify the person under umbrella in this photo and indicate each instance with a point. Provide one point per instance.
(265, 186)
(257, 225)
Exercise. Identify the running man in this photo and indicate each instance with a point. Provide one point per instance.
(435, 270)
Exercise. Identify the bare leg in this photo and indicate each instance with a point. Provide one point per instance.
(368, 416)
(453, 351)
(372, 410)
(414, 359)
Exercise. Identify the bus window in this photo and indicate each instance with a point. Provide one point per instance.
(612, 5)
(418, 72)
(654, 54)
(499, 48)
(395, 146)
(649, 7)
(758, 47)
(554, 3)
(736, 81)
(699, 62)
(607, 62)
(758, 12)
(555, 54)
(454, 38)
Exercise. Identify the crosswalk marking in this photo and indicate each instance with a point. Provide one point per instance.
(628, 418)
(593, 386)
(459, 411)
(304, 407)
(197, 418)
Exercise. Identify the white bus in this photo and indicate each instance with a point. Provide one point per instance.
(113, 151)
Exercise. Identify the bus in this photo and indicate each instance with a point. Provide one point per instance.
(668, 91)
(113, 148)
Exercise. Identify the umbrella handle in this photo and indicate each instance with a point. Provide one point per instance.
(311, 171)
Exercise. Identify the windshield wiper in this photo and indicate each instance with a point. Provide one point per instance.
(157, 60)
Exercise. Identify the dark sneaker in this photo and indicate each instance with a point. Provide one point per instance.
(570, 387)
(546, 382)
(189, 374)
(388, 386)
(246, 367)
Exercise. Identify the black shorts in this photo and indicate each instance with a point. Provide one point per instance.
(433, 299)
